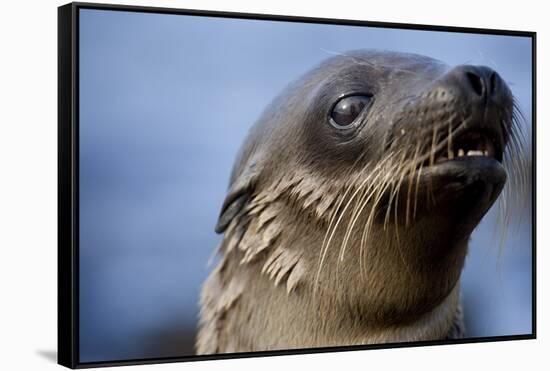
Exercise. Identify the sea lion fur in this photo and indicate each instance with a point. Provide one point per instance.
(336, 236)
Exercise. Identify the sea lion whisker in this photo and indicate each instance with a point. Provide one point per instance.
(450, 152)
(396, 221)
(335, 227)
(354, 216)
(377, 193)
(402, 169)
(341, 201)
(361, 204)
(432, 161)
(419, 173)
(409, 191)
(515, 160)
(367, 226)
(380, 193)
(335, 212)
(375, 174)
(324, 245)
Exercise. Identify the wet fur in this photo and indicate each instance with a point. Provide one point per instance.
(318, 254)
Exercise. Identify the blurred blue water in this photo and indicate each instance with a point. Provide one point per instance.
(165, 102)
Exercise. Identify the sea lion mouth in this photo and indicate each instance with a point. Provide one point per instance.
(471, 143)
(473, 149)
(464, 173)
(467, 164)
(457, 162)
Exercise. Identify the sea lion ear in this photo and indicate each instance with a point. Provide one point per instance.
(237, 197)
(233, 204)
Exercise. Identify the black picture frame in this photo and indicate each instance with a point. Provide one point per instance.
(68, 180)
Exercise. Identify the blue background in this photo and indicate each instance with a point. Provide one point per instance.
(165, 102)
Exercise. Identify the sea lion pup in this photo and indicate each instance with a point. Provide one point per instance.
(351, 203)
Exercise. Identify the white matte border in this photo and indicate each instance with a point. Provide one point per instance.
(28, 183)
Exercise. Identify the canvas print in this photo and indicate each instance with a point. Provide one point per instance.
(250, 185)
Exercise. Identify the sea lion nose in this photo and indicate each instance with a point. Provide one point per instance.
(479, 82)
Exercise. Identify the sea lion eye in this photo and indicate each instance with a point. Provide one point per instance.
(346, 110)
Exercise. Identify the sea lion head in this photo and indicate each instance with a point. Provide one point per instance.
(374, 168)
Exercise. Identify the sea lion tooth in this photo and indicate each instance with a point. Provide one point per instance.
(473, 152)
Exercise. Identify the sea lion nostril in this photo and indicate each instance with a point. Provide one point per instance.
(475, 82)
